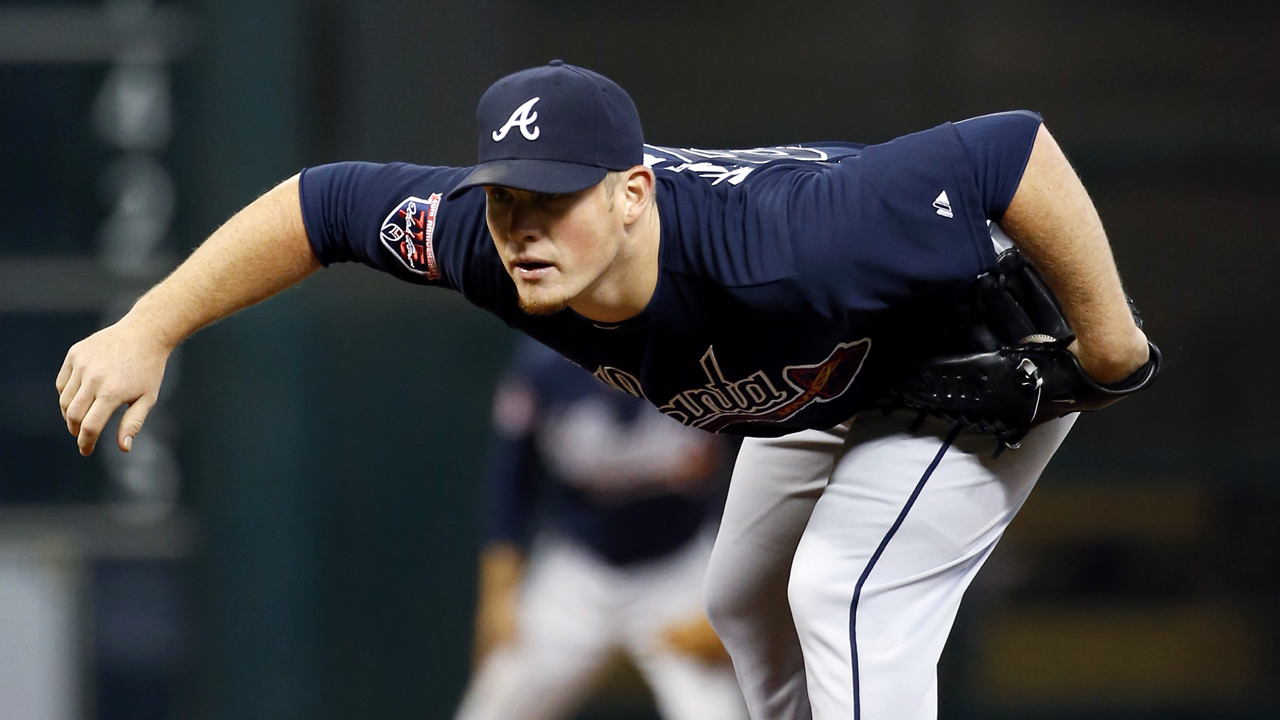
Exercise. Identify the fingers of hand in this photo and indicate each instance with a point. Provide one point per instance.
(78, 405)
(94, 421)
(131, 422)
(64, 373)
(67, 391)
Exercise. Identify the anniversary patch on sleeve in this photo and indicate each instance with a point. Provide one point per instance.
(407, 233)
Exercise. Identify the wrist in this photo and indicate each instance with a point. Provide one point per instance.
(153, 321)
(1114, 361)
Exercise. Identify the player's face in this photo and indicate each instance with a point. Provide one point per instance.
(555, 247)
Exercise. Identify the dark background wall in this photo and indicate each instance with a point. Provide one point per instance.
(331, 439)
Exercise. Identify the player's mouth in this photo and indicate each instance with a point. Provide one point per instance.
(531, 269)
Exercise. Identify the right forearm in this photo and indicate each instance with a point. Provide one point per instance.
(1054, 222)
(260, 251)
(256, 254)
(501, 568)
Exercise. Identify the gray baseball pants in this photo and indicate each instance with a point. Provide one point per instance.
(843, 556)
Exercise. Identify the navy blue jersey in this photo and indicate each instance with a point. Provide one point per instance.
(609, 469)
(795, 282)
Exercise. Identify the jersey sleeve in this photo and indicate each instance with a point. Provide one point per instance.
(997, 148)
(396, 218)
(890, 226)
(511, 487)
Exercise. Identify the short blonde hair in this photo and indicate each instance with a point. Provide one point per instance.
(610, 182)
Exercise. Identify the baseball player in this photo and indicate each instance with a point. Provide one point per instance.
(842, 306)
(627, 495)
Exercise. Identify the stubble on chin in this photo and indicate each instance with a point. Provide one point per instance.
(542, 307)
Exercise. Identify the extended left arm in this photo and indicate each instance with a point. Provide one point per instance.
(1055, 224)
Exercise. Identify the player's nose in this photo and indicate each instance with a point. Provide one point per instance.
(526, 222)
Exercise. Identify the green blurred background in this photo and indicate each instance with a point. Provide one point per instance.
(299, 541)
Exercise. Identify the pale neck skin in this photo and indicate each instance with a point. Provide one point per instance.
(594, 251)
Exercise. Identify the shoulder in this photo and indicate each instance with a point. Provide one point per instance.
(405, 191)
(369, 182)
(730, 169)
(522, 389)
(933, 152)
(901, 218)
(377, 189)
(431, 235)
(724, 212)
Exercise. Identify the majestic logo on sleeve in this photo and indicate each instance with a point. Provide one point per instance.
(521, 118)
(943, 205)
(407, 233)
(722, 402)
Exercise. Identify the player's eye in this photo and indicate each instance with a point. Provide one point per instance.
(551, 201)
(499, 195)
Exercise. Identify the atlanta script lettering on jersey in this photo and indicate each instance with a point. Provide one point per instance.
(756, 398)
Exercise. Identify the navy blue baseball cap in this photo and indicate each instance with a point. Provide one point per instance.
(557, 128)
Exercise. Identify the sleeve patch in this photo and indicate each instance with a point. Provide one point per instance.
(407, 233)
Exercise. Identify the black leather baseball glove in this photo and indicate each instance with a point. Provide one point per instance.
(1012, 370)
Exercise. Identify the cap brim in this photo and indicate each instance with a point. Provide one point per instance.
(544, 176)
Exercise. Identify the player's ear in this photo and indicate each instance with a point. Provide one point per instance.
(637, 191)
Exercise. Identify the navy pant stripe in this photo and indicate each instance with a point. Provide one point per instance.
(857, 591)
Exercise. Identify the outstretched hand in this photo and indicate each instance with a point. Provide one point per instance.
(119, 365)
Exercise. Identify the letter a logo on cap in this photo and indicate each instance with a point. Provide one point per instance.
(522, 118)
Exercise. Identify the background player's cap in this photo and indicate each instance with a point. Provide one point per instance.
(557, 128)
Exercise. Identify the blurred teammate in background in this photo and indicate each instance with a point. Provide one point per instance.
(627, 499)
